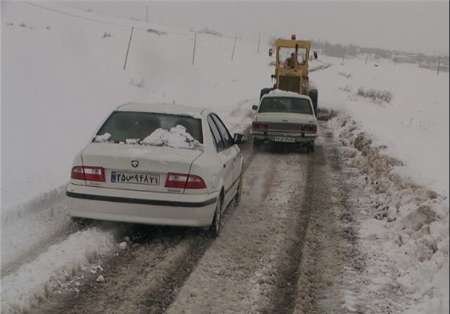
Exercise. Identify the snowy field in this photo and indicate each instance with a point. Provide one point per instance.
(61, 76)
(54, 100)
(413, 124)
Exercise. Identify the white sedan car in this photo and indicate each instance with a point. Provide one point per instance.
(285, 117)
(158, 164)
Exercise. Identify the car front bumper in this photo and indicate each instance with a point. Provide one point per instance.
(195, 210)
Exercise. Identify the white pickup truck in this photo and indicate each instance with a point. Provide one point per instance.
(285, 117)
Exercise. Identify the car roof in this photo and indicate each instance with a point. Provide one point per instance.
(282, 93)
(168, 108)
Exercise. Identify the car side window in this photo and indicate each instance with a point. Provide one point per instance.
(216, 134)
(227, 139)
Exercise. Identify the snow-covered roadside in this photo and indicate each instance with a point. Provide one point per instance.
(413, 124)
(393, 124)
(52, 270)
(403, 232)
(33, 230)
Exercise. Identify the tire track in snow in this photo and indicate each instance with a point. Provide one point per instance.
(148, 276)
(236, 273)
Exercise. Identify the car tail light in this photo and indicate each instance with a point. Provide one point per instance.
(88, 173)
(259, 126)
(184, 181)
(195, 182)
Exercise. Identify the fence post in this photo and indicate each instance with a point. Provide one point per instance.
(128, 49)
(194, 48)
(234, 47)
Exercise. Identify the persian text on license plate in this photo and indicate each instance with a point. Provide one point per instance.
(284, 139)
(134, 178)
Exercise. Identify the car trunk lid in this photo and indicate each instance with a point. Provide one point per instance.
(138, 167)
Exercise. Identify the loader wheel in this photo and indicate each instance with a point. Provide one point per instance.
(265, 91)
(314, 95)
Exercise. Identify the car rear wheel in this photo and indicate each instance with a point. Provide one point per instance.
(216, 225)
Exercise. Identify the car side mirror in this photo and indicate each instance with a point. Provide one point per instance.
(254, 107)
(270, 52)
(238, 138)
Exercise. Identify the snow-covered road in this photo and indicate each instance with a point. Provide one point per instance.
(309, 236)
(258, 263)
(360, 226)
(254, 264)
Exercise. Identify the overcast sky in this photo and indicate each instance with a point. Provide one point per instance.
(411, 26)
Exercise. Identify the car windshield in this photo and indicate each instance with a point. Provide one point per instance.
(285, 104)
(135, 127)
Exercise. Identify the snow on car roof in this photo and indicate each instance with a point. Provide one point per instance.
(282, 93)
(195, 112)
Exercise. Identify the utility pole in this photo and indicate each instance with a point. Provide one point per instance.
(146, 13)
(439, 65)
(128, 49)
(259, 43)
(194, 48)
(234, 47)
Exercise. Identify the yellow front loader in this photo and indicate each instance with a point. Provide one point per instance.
(291, 68)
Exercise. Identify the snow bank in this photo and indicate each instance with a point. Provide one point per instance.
(35, 280)
(403, 229)
(413, 125)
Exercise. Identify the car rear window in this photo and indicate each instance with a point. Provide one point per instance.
(130, 126)
(285, 104)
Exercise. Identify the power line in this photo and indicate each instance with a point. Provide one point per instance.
(71, 14)
(90, 19)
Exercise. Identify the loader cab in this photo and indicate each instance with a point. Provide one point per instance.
(292, 76)
(291, 57)
(291, 65)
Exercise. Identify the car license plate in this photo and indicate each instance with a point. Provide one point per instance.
(134, 178)
(284, 139)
